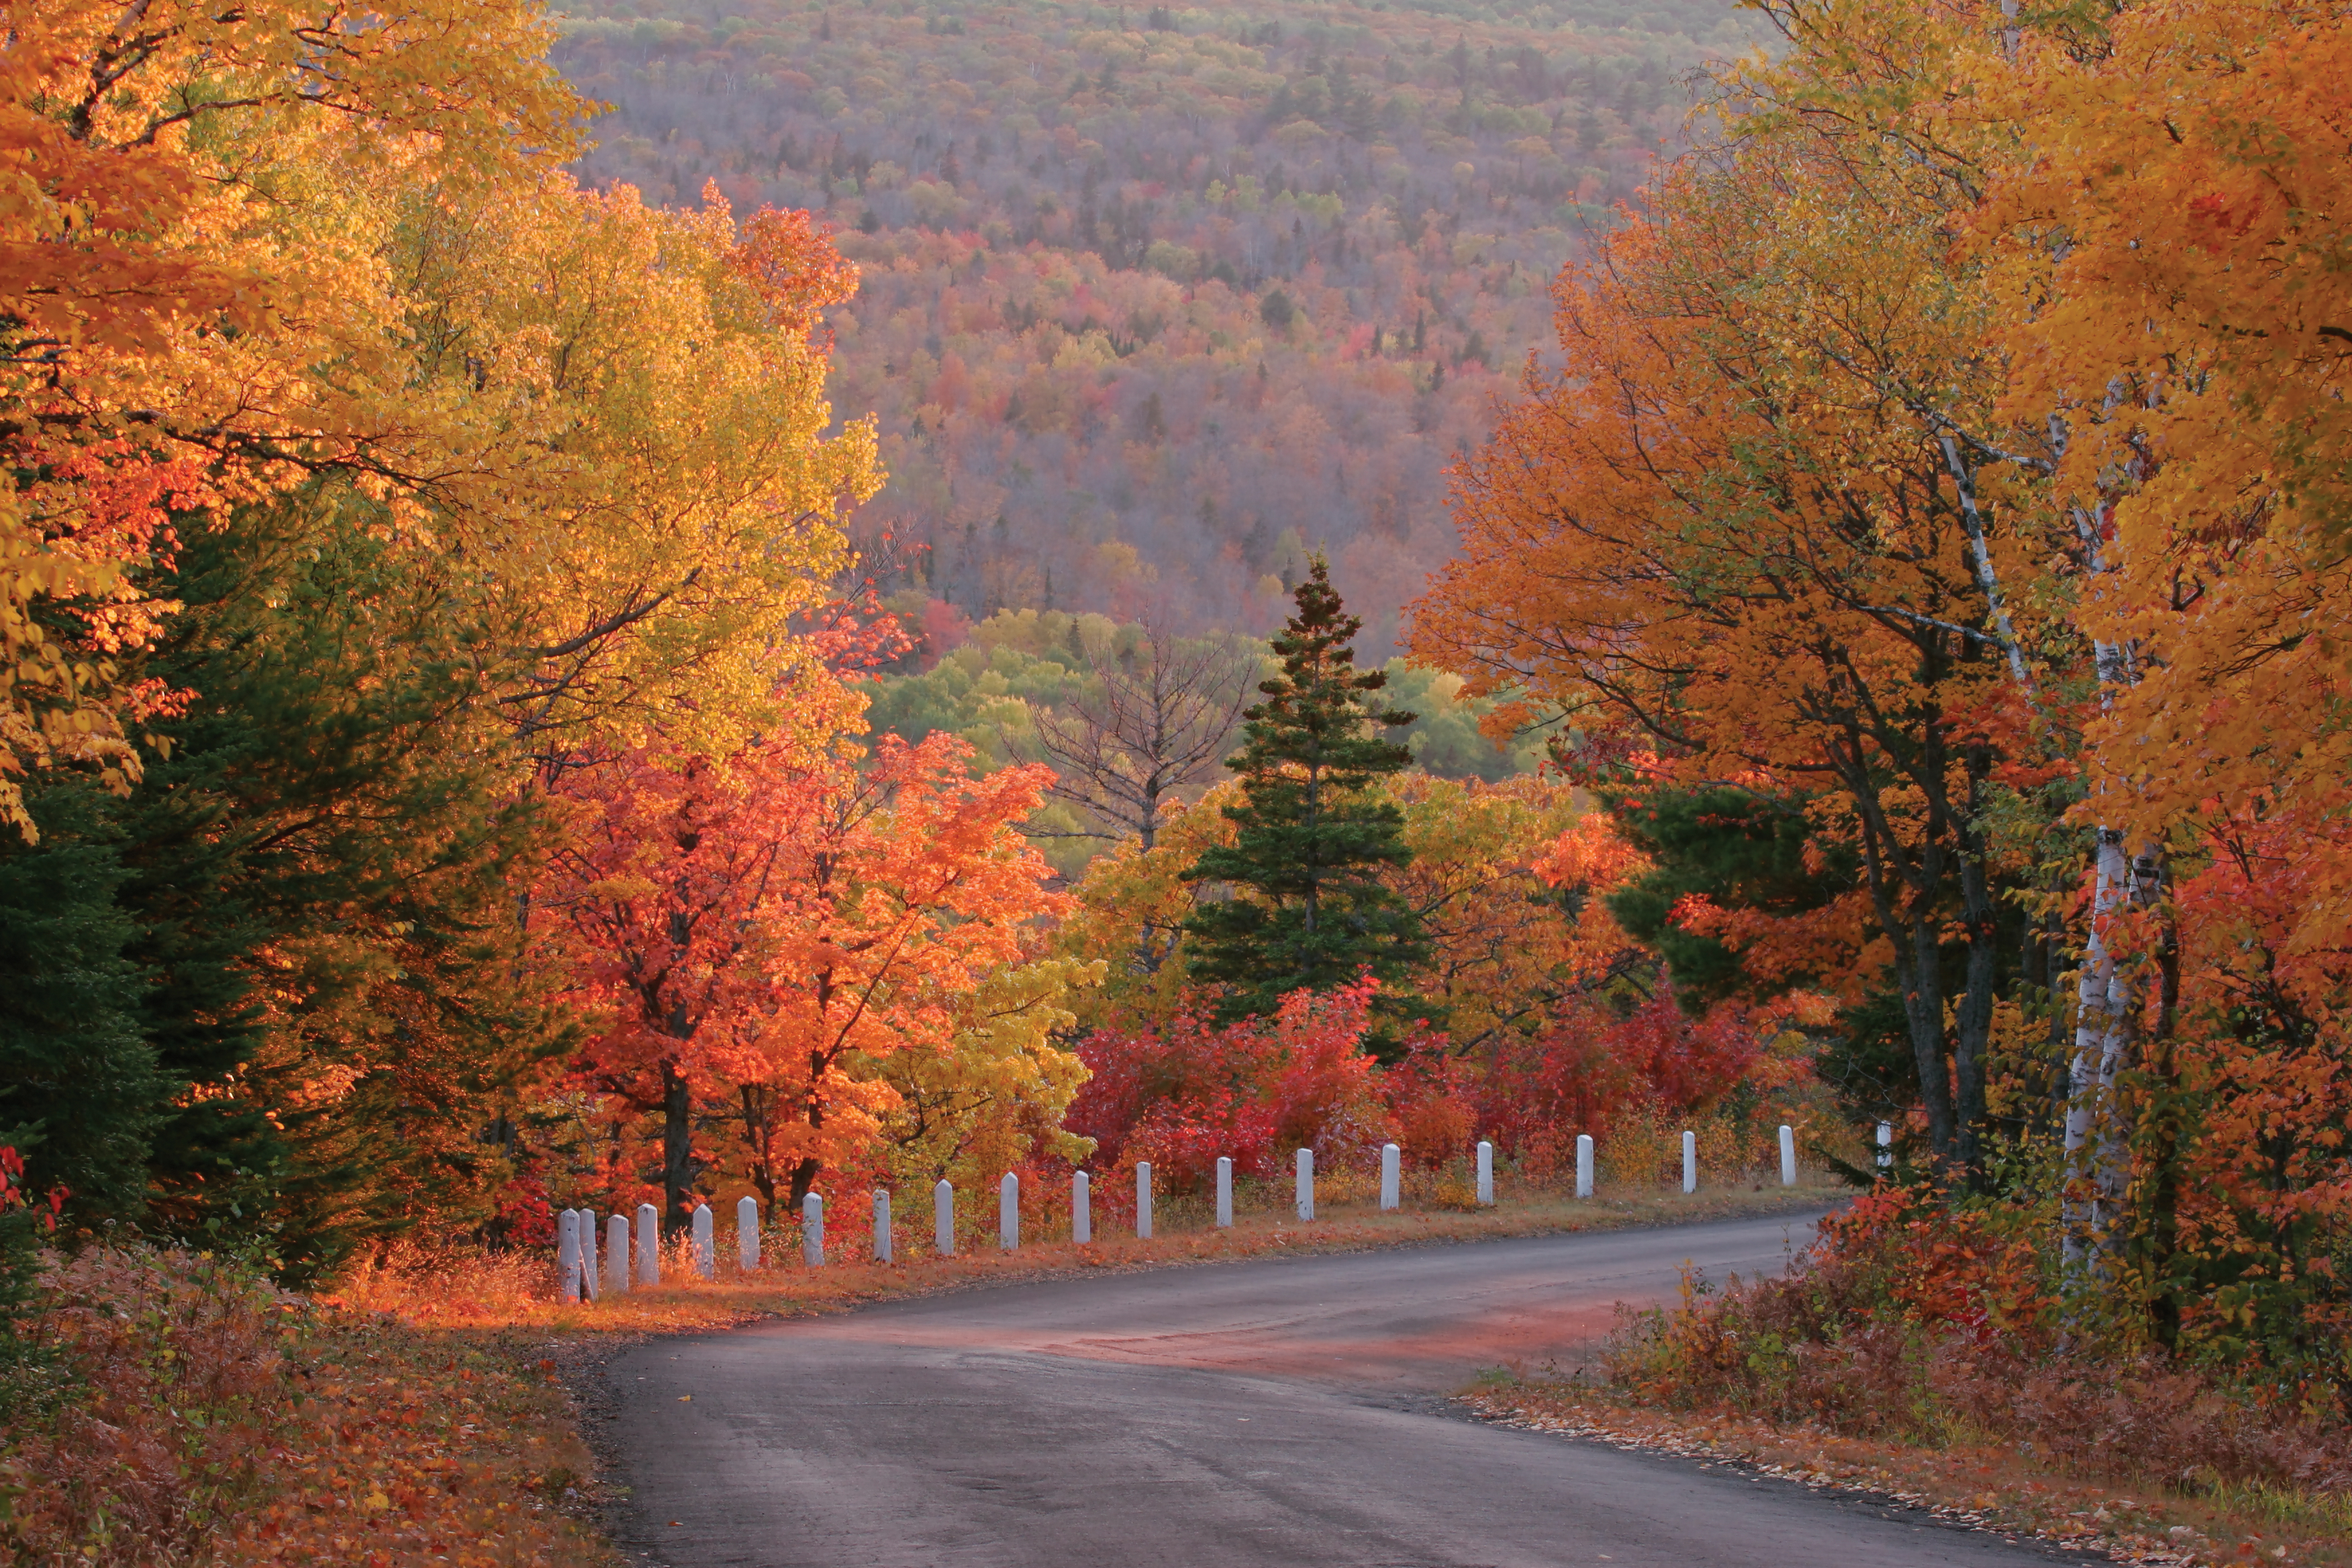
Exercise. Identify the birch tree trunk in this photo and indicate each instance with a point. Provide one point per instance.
(2102, 1019)
(2107, 997)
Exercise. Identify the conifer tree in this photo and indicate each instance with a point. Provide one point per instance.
(1310, 844)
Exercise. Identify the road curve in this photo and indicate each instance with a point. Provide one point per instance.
(1283, 1411)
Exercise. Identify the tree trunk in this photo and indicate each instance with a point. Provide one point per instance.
(2104, 1005)
(804, 1170)
(2160, 1151)
(760, 1137)
(1921, 978)
(805, 1174)
(1972, 1033)
(1972, 1037)
(677, 1147)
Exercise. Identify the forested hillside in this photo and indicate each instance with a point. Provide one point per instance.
(1154, 298)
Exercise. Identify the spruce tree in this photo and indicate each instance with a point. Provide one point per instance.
(1310, 842)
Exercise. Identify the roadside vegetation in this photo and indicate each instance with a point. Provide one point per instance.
(1916, 1352)
(163, 1409)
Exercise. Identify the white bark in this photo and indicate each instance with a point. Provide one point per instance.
(1982, 554)
(2107, 996)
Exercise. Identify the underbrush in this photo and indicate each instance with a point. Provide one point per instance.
(1911, 1322)
(172, 1409)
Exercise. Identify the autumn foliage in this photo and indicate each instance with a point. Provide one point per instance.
(1186, 1093)
(1905, 1319)
(760, 936)
(1932, 527)
(447, 777)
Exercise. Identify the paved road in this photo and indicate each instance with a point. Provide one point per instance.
(1280, 1414)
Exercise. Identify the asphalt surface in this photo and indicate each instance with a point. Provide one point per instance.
(1286, 1412)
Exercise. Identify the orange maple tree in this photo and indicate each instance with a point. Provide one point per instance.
(760, 934)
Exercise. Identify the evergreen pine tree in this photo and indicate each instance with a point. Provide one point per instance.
(80, 1092)
(312, 886)
(1310, 844)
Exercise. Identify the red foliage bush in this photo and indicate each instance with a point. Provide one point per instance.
(1433, 1098)
(1183, 1096)
(147, 1416)
(1589, 1067)
(170, 1411)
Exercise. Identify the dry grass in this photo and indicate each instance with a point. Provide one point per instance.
(2132, 1518)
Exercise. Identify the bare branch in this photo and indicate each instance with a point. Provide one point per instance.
(1152, 719)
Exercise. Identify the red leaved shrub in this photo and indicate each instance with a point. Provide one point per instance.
(1185, 1095)
(170, 1411)
(144, 1417)
(1588, 1065)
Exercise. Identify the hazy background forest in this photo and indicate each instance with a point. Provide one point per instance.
(1156, 299)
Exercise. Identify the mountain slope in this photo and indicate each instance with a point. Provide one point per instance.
(1157, 297)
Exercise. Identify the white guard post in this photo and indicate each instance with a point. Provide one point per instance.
(1584, 1164)
(1486, 1172)
(587, 1253)
(1082, 1209)
(1788, 1155)
(649, 1245)
(1143, 1200)
(881, 1226)
(616, 1256)
(567, 1254)
(705, 1243)
(1391, 1177)
(1008, 1212)
(1306, 1183)
(747, 1234)
(1224, 1193)
(812, 1230)
(1690, 1162)
(943, 1218)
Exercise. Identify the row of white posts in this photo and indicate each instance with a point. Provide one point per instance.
(576, 1261)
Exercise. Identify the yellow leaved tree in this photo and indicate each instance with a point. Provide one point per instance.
(165, 291)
